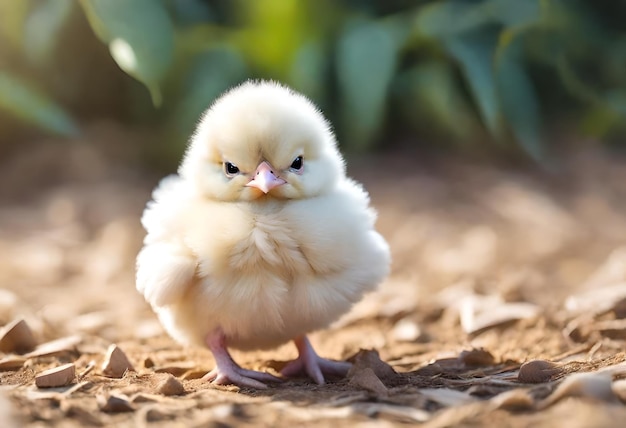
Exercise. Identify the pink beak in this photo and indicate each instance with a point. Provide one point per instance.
(264, 178)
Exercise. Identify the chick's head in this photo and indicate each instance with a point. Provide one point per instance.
(262, 140)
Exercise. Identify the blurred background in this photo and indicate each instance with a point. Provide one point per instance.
(506, 78)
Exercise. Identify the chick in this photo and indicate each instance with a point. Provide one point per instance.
(261, 238)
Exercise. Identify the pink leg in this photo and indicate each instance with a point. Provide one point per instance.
(227, 371)
(312, 364)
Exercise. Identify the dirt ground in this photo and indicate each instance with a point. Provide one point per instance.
(493, 267)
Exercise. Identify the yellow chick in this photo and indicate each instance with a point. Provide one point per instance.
(261, 238)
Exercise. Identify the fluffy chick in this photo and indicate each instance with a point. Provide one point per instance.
(261, 238)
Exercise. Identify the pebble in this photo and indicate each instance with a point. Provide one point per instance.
(116, 363)
(171, 386)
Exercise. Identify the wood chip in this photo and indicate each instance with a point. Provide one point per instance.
(597, 300)
(538, 371)
(479, 313)
(58, 376)
(171, 386)
(116, 363)
(17, 337)
(11, 363)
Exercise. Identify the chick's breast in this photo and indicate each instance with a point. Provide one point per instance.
(270, 272)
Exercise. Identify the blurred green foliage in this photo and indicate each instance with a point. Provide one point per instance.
(477, 73)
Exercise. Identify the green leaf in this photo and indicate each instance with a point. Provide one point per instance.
(12, 17)
(140, 37)
(19, 99)
(434, 95)
(309, 71)
(366, 61)
(514, 13)
(518, 97)
(42, 28)
(474, 51)
(448, 18)
(209, 76)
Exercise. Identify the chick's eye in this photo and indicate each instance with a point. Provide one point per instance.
(230, 169)
(297, 163)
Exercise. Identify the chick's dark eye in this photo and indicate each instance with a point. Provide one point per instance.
(230, 168)
(297, 163)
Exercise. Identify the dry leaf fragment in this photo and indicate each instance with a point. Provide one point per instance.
(516, 400)
(597, 385)
(17, 337)
(538, 371)
(170, 386)
(116, 362)
(58, 376)
(482, 312)
(447, 397)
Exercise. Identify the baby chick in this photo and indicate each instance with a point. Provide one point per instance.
(261, 238)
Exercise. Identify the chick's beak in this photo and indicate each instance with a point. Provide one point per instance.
(264, 178)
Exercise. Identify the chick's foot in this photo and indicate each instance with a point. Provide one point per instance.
(312, 364)
(227, 371)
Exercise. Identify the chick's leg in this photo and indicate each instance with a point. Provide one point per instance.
(227, 371)
(312, 364)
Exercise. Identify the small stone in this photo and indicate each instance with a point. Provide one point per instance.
(116, 363)
(58, 376)
(17, 337)
(171, 386)
(537, 371)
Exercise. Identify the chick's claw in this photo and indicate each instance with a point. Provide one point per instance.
(227, 371)
(235, 375)
(312, 364)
